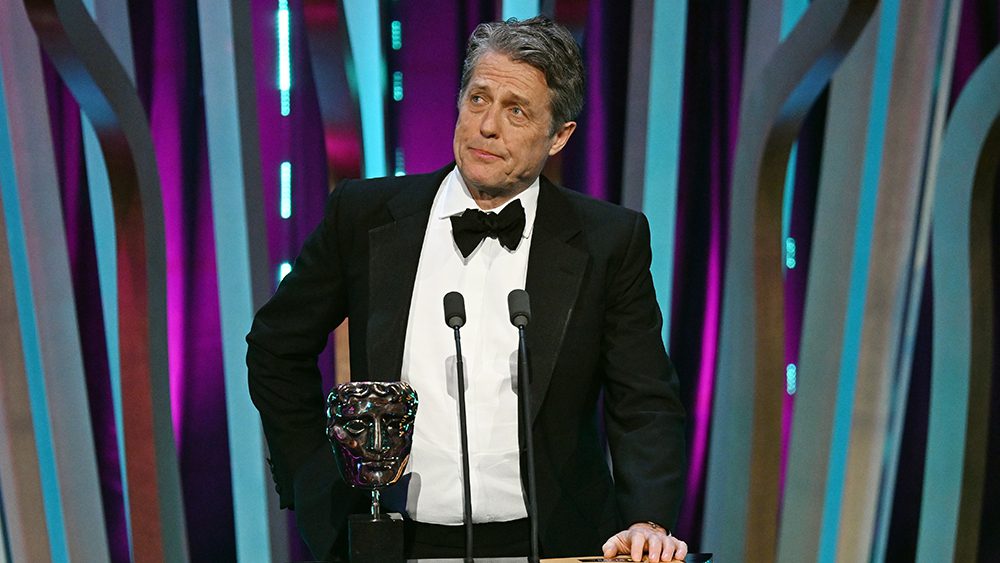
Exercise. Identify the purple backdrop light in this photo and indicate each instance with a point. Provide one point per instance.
(706, 376)
(712, 92)
(297, 138)
(168, 52)
(165, 121)
(595, 163)
(430, 60)
(273, 131)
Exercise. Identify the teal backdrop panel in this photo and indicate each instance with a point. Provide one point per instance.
(663, 143)
(364, 33)
(520, 9)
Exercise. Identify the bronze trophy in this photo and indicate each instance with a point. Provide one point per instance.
(370, 426)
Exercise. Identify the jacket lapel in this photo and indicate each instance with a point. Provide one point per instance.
(555, 270)
(394, 254)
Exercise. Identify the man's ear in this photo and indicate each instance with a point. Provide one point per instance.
(561, 136)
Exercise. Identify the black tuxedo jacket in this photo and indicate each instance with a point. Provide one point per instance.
(595, 333)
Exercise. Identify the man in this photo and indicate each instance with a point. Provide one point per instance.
(386, 253)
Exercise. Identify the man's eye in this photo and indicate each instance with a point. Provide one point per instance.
(476, 99)
(517, 111)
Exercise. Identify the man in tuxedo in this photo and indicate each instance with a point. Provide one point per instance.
(386, 253)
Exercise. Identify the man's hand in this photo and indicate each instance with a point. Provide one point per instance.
(645, 537)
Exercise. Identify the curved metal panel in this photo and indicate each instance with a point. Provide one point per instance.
(111, 17)
(752, 349)
(963, 359)
(105, 93)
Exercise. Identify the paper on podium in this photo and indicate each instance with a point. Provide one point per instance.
(691, 558)
(599, 559)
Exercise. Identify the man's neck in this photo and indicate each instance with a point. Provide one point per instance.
(487, 200)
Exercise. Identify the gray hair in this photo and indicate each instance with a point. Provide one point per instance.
(541, 43)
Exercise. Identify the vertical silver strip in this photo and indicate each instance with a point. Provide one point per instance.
(242, 264)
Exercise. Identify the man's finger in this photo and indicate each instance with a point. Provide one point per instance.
(610, 547)
(656, 548)
(669, 549)
(638, 541)
(682, 550)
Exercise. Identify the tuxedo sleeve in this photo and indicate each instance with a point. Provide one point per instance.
(644, 417)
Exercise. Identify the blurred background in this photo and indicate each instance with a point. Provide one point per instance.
(820, 179)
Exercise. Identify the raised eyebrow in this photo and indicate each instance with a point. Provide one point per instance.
(514, 99)
(475, 87)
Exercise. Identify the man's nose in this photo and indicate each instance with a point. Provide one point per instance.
(489, 124)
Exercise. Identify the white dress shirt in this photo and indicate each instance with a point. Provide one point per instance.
(489, 349)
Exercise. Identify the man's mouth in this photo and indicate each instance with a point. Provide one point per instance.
(484, 154)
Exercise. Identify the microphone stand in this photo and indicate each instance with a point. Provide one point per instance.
(464, 430)
(524, 404)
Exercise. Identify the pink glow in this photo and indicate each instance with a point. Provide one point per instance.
(706, 371)
(165, 120)
(596, 114)
(787, 411)
(343, 150)
(321, 12)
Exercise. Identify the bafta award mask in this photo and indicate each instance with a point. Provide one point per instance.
(370, 425)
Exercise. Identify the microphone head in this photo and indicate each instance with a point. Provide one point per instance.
(454, 309)
(520, 308)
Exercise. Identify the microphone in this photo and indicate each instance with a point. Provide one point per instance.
(454, 309)
(520, 308)
(454, 316)
(520, 313)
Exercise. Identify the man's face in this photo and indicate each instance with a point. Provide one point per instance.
(372, 432)
(504, 131)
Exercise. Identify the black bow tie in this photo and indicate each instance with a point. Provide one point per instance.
(473, 225)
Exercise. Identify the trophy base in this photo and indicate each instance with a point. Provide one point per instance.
(375, 540)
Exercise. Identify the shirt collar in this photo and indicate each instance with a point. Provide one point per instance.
(457, 198)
